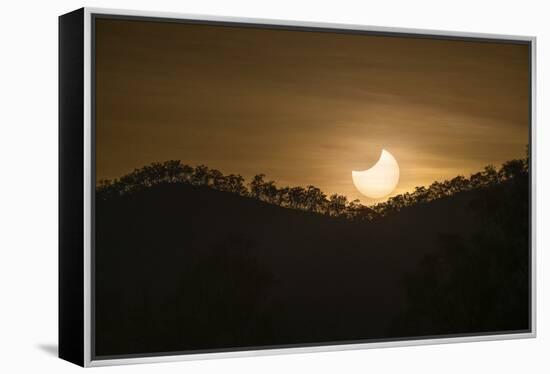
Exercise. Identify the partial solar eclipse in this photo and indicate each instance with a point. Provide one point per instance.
(380, 180)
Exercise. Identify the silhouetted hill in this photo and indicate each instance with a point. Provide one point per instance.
(310, 198)
(184, 267)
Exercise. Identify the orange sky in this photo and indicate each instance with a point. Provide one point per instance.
(305, 107)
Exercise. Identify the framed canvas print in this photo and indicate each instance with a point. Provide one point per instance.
(240, 187)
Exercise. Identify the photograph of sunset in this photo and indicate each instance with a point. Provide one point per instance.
(264, 187)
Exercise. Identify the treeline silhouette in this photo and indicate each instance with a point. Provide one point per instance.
(310, 198)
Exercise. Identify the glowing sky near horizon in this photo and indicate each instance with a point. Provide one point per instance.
(306, 107)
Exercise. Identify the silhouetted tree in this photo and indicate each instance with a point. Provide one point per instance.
(256, 186)
(187, 173)
(337, 204)
(490, 175)
(296, 197)
(216, 179)
(201, 176)
(269, 192)
(282, 198)
(315, 199)
(235, 183)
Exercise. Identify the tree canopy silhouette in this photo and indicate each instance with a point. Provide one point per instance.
(309, 198)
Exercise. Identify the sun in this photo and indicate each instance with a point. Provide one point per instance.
(380, 180)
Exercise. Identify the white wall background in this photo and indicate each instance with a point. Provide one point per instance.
(28, 183)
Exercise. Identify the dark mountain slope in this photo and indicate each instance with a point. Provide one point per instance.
(181, 267)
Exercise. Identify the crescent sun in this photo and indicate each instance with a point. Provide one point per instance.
(380, 180)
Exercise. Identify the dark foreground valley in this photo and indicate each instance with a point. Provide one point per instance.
(182, 266)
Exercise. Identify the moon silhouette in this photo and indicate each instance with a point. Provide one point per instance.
(380, 180)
